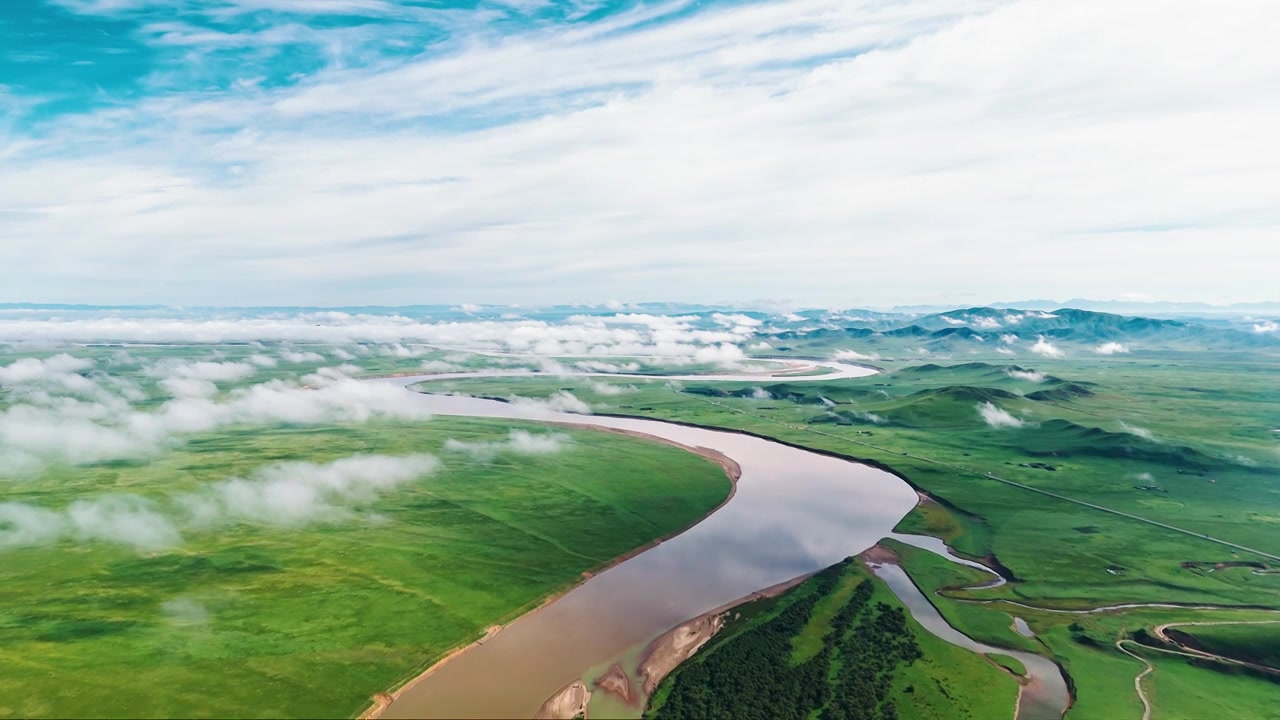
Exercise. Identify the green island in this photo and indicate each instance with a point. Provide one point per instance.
(838, 646)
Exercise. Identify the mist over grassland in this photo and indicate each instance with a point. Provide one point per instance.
(202, 485)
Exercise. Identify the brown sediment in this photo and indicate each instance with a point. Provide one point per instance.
(880, 555)
(568, 703)
(616, 682)
(678, 644)
(675, 646)
(382, 701)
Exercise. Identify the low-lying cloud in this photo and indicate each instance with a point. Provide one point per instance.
(301, 493)
(560, 401)
(1143, 433)
(1046, 348)
(42, 429)
(998, 418)
(854, 355)
(1111, 348)
(203, 370)
(283, 494)
(519, 442)
(1034, 376)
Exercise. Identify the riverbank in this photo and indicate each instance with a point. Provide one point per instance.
(382, 702)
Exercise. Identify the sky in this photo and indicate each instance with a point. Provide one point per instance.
(836, 153)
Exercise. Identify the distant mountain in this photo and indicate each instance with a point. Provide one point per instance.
(1015, 331)
(1163, 309)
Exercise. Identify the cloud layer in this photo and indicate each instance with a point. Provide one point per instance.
(284, 494)
(526, 161)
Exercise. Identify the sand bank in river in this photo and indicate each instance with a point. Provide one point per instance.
(570, 702)
(675, 646)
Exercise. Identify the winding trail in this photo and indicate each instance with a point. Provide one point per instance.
(1137, 681)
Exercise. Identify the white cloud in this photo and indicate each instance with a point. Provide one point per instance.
(59, 370)
(123, 519)
(301, 493)
(854, 355)
(607, 367)
(953, 153)
(1005, 351)
(1034, 376)
(1046, 348)
(998, 418)
(603, 388)
(736, 321)
(24, 525)
(188, 387)
(760, 346)
(64, 429)
(761, 394)
(560, 401)
(440, 366)
(298, 357)
(1111, 348)
(632, 335)
(986, 323)
(262, 361)
(724, 355)
(1266, 326)
(203, 370)
(520, 442)
(185, 612)
(1143, 433)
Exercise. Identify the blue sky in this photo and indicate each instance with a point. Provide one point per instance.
(827, 152)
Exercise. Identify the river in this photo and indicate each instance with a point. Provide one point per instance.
(794, 512)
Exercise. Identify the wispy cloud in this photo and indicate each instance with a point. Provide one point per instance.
(1034, 376)
(882, 134)
(1143, 433)
(283, 494)
(997, 417)
(1111, 348)
(1047, 349)
(519, 442)
(559, 401)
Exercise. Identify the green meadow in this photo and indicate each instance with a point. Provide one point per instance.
(258, 620)
(1184, 439)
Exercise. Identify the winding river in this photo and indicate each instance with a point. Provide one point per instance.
(794, 512)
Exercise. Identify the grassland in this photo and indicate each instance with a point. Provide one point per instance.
(257, 620)
(1255, 643)
(1185, 440)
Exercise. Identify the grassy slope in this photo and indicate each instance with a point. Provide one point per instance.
(310, 622)
(1251, 643)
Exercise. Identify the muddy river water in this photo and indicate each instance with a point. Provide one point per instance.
(794, 512)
